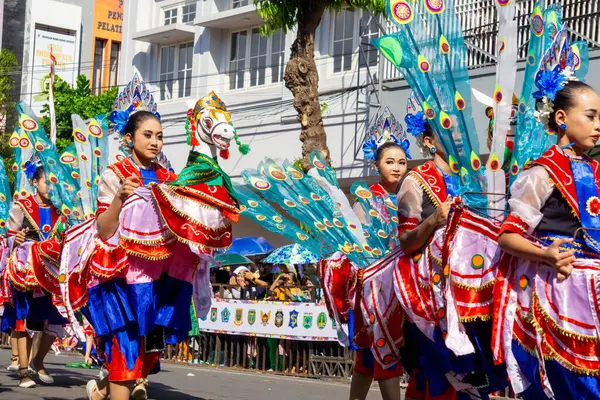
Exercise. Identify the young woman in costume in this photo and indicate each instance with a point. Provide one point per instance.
(32, 218)
(128, 351)
(424, 201)
(555, 200)
(390, 159)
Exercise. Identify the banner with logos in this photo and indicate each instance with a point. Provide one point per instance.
(297, 321)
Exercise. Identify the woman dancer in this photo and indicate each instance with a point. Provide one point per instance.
(556, 200)
(424, 201)
(33, 218)
(143, 137)
(390, 160)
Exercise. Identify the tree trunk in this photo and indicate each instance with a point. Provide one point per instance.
(302, 79)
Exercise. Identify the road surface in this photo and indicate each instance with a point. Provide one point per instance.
(174, 382)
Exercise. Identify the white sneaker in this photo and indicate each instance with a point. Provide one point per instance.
(27, 385)
(12, 368)
(45, 378)
(92, 387)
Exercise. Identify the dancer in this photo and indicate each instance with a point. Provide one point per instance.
(556, 202)
(388, 151)
(142, 137)
(33, 218)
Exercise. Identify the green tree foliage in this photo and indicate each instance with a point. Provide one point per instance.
(9, 68)
(75, 100)
(301, 74)
(286, 14)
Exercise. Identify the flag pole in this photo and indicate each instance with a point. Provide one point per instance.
(51, 99)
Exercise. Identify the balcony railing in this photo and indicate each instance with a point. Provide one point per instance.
(480, 28)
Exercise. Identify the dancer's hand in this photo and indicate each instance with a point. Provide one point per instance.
(128, 186)
(441, 213)
(560, 259)
(20, 236)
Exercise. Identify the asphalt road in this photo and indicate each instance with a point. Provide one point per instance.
(178, 382)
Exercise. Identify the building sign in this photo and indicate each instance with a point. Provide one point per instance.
(108, 19)
(63, 48)
(299, 321)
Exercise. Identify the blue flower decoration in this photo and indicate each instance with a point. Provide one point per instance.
(549, 82)
(405, 144)
(30, 168)
(120, 118)
(370, 148)
(416, 124)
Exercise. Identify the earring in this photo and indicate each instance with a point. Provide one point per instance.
(432, 150)
(377, 171)
(563, 127)
(130, 145)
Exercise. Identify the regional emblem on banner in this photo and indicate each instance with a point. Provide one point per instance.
(225, 314)
(264, 318)
(322, 321)
(307, 321)
(279, 318)
(293, 319)
(251, 317)
(239, 312)
(213, 314)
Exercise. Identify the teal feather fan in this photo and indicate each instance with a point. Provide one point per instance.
(315, 202)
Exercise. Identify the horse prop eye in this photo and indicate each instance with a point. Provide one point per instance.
(208, 122)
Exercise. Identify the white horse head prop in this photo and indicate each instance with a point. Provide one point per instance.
(210, 129)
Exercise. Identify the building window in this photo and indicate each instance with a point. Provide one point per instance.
(188, 13)
(343, 40)
(277, 55)
(369, 31)
(184, 67)
(258, 58)
(98, 63)
(167, 72)
(256, 54)
(171, 16)
(239, 3)
(115, 55)
(237, 60)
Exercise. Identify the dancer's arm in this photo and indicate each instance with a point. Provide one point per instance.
(413, 240)
(529, 193)
(414, 232)
(108, 220)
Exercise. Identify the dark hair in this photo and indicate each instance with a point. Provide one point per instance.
(136, 119)
(381, 149)
(565, 100)
(421, 139)
(37, 175)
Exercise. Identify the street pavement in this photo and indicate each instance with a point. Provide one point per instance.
(178, 382)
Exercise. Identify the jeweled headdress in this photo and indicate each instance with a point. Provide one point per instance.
(557, 67)
(386, 128)
(133, 98)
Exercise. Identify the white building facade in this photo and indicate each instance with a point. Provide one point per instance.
(188, 48)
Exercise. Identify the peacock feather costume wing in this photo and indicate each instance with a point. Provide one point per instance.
(5, 199)
(91, 146)
(506, 76)
(63, 188)
(23, 152)
(430, 52)
(532, 139)
(315, 212)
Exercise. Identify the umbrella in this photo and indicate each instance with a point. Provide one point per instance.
(233, 259)
(249, 246)
(292, 254)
